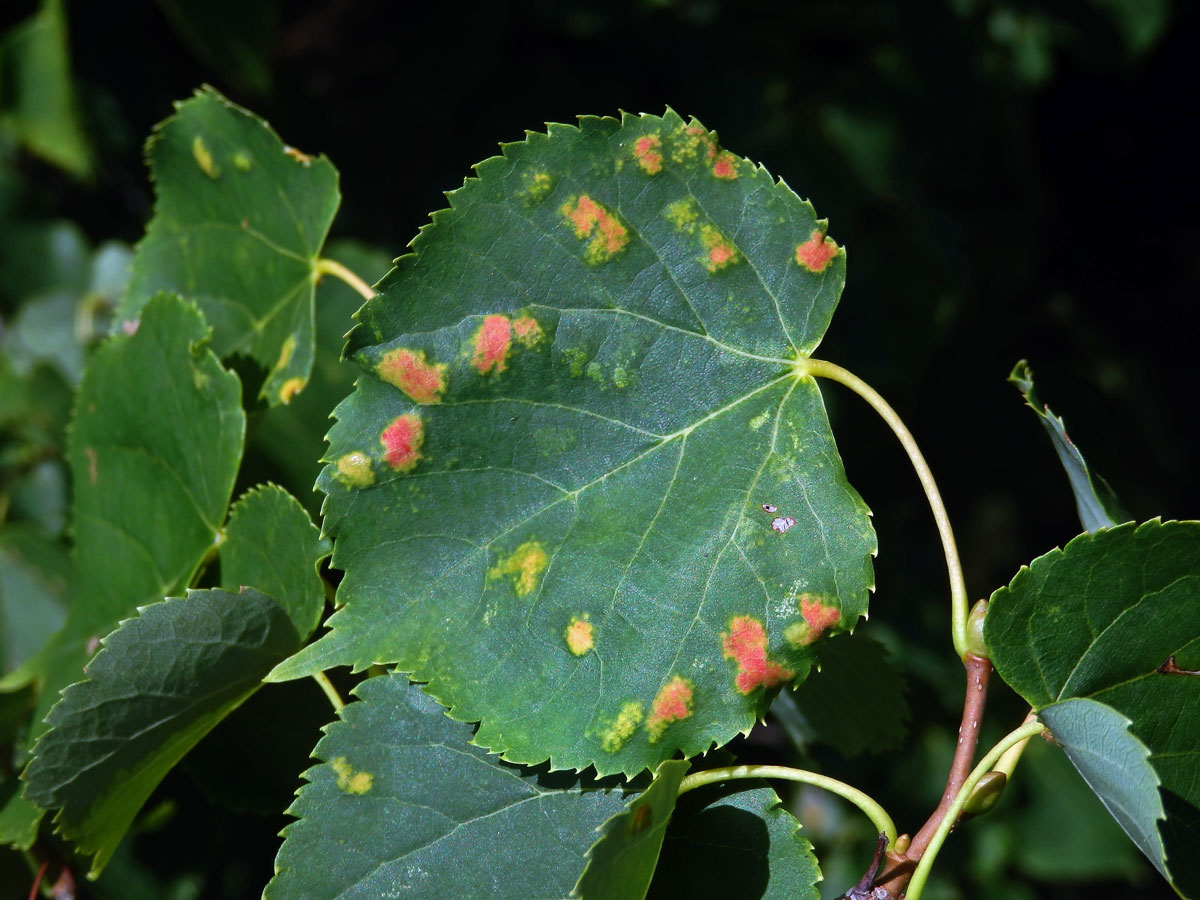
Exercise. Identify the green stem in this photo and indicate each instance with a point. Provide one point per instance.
(921, 873)
(337, 270)
(958, 588)
(1008, 762)
(874, 812)
(330, 691)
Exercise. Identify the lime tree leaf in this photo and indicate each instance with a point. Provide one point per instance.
(856, 700)
(554, 493)
(1104, 619)
(735, 840)
(622, 861)
(238, 225)
(160, 683)
(32, 584)
(272, 545)
(1098, 506)
(403, 805)
(153, 449)
(36, 74)
(1115, 764)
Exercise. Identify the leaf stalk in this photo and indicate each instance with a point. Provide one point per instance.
(873, 811)
(325, 266)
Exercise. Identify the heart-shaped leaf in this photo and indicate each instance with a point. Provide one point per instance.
(238, 225)
(1115, 617)
(402, 804)
(588, 492)
(161, 682)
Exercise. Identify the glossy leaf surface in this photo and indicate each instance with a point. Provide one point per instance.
(271, 545)
(402, 804)
(622, 861)
(1110, 617)
(1098, 506)
(161, 682)
(239, 222)
(585, 491)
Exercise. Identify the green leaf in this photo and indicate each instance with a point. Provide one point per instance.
(238, 226)
(1115, 764)
(230, 37)
(548, 494)
(154, 449)
(1103, 619)
(402, 802)
(271, 544)
(32, 583)
(735, 840)
(19, 818)
(1098, 506)
(161, 682)
(622, 861)
(37, 77)
(856, 701)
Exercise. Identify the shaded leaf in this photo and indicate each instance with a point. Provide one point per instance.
(1115, 764)
(19, 819)
(548, 494)
(735, 840)
(161, 682)
(1103, 619)
(232, 38)
(1098, 506)
(33, 570)
(622, 861)
(37, 77)
(402, 802)
(238, 225)
(271, 544)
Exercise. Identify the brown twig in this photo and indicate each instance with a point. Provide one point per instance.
(900, 865)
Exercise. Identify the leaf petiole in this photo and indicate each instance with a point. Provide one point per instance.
(873, 811)
(820, 368)
(325, 266)
(335, 698)
(1012, 739)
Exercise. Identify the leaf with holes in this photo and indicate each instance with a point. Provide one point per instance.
(238, 226)
(587, 490)
(402, 805)
(1114, 617)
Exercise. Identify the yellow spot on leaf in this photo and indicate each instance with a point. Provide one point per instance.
(718, 251)
(348, 780)
(524, 566)
(242, 162)
(692, 143)
(647, 150)
(591, 221)
(285, 352)
(580, 635)
(203, 158)
(537, 186)
(407, 369)
(300, 157)
(760, 420)
(527, 331)
(290, 389)
(354, 470)
(682, 212)
(621, 728)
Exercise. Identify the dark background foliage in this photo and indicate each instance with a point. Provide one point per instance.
(1011, 179)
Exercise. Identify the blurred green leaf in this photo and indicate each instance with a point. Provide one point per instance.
(271, 544)
(239, 222)
(1103, 619)
(39, 94)
(581, 401)
(33, 580)
(161, 682)
(622, 861)
(1098, 506)
(386, 810)
(233, 38)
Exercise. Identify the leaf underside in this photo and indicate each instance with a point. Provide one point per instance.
(239, 222)
(1114, 617)
(548, 493)
(386, 813)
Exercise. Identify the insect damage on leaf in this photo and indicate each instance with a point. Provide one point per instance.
(746, 644)
(580, 635)
(692, 143)
(407, 369)
(674, 702)
(204, 158)
(402, 440)
(642, 818)
(349, 780)
(718, 251)
(647, 150)
(817, 618)
(621, 729)
(527, 331)
(524, 566)
(354, 469)
(491, 344)
(290, 389)
(590, 220)
(537, 186)
(725, 166)
(815, 253)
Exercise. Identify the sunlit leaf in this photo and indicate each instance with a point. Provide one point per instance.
(402, 803)
(585, 490)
